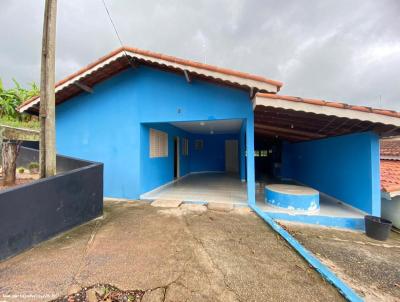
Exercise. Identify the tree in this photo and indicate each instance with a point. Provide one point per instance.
(10, 140)
(11, 98)
(9, 154)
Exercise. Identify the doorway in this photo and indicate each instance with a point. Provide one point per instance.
(176, 157)
(231, 156)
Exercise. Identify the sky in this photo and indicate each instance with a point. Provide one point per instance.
(343, 50)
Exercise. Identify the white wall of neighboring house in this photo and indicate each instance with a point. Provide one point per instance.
(391, 210)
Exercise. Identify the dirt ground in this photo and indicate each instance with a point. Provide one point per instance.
(371, 267)
(21, 178)
(181, 254)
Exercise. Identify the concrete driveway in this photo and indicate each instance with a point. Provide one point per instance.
(370, 267)
(191, 254)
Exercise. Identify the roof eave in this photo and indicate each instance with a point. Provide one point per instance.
(282, 102)
(229, 76)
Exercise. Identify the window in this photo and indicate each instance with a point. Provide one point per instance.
(199, 144)
(158, 143)
(185, 147)
(260, 153)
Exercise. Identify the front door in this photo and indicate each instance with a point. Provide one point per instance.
(231, 156)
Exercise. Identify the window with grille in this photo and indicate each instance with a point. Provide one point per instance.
(158, 143)
(199, 144)
(185, 147)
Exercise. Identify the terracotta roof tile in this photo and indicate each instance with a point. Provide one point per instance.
(362, 108)
(330, 104)
(314, 102)
(195, 64)
(390, 175)
(386, 112)
(390, 147)
(166, 58)
(333, 104)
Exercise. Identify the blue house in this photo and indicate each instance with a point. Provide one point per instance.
(165, 127)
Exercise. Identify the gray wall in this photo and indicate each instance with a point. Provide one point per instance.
(34, 212)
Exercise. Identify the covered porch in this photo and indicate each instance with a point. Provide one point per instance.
(331, 148)
(334, 150)
(206, 162)
(218, 187)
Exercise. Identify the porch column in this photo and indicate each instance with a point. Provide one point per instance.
(251, 186)
(375, 176)
(242, 152)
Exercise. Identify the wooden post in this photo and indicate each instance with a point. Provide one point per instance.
(47, 154)
(9, 153)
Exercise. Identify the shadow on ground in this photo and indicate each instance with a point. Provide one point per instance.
(187, 254)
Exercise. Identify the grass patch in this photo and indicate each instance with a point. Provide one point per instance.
(19, 124)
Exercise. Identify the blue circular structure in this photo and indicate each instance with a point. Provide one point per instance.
(292, 197)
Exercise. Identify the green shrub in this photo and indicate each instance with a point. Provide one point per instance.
(21, 170)
(33, 167)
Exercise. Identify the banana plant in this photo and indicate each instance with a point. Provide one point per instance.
(11, 98)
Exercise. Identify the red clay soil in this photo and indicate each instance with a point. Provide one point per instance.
(17, 182)
(21, 179)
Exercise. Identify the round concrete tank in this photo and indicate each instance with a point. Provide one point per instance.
(292, 197)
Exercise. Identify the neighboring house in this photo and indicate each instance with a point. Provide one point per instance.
(390, 180)
(152, 118)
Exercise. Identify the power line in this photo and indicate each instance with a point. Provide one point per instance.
(112, 23)
(116, 32)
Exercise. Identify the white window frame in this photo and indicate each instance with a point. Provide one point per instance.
(158, 143)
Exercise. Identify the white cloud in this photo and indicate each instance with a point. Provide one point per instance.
(339, 50)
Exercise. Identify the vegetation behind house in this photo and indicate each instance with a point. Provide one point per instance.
(10, 99)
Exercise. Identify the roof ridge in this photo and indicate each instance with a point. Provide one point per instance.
(203, 65)
(165, 57)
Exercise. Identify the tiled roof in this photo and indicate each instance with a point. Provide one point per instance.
(167, 60)
(390, 147)
(330, 104)
(174, 60)
(390, 175)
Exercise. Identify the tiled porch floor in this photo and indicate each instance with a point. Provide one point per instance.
(227, 188)
(328, 206)
(204, 187)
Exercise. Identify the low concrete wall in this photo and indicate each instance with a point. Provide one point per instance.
(32, 213)
(64, 163)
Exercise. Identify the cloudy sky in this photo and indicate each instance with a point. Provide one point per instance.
(346, 50)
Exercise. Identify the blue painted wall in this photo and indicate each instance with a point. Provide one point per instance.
(242, 151)
(345, 167)
(160, 170)
(106, 125)
(212, 157)
(250, 164)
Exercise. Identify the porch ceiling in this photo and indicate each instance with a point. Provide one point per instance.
(298, 126)
(208, 127)
(299, 119)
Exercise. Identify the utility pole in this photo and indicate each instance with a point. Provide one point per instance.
(47, 153)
